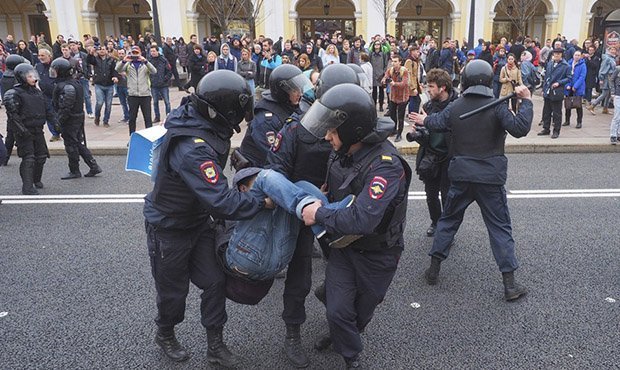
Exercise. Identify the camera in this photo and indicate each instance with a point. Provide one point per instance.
(135, 57)
(419, 135)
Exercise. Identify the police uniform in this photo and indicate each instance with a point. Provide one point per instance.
(68, 101)
(6, 83)
(380, 178)
(261, 134)
(478, 172)
(27, 113)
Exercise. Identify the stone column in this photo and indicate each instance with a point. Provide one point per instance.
(109, 25)
(18, 27)
(294, 27)
(359, 24)
(191, 24)
(4, 25)
(456, 33)
(585, 33)
(488, 34)
(392, 24)
(89, 21)
(551, 25)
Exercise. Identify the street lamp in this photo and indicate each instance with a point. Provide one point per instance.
(40, 7)
(136, 8)
(510, 9)
(599, 11)
(326, 6)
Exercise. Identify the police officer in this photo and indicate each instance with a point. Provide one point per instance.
(299, 155)
(68, 101)
(27, 113)
(287, 84)
(359, 274)
(478, 169)
(190, 191)
(8, 80)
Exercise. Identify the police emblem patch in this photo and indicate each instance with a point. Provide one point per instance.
(271, 137)
(209, 172)
(277, 142)
(377, 187)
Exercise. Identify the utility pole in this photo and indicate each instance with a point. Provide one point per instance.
(156, 30)
(472, 22)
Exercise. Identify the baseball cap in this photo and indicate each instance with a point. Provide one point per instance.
(471, 52)
(71, 41)
(136, 48)
(245, 173)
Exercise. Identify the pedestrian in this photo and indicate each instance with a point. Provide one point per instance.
(379, 61)
(27, 112)
(197, 67)
(397, 77)
(121, 90)
(557, 75)
(271, 60)
(226, 60)
(433, 157)
(190, 191)
(529, 72)
(608, 65)
(10, 45)
(576, 87)
(510, 77)
(104, 78)
(593, 63)
(171, 57)
(56, 48)
(286, 86)
(183, 54)
(46, 84)
(22, 49)
(138, 71)
(367, 68)
(414, 68)
(160, 81)
(478, 169)
(615, 93)
(247, 69)
(6, 83)
(68, 102)
(81, 70)
(357, 274)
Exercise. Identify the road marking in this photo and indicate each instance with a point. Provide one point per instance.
(413, 195)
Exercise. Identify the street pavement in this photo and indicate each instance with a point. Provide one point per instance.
(593, 137)
(76, 290)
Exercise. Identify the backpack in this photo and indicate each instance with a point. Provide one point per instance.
(535, 77)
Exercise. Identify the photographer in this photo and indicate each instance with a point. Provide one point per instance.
(433, 156)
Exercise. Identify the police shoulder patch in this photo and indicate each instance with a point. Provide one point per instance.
(271, 137)
(377, 187)
(209, 172)
(386, 158)
(198, 140)
(289, 120)
(276, 145)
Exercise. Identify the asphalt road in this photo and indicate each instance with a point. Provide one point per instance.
(76, 290)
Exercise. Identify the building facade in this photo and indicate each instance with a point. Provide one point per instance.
(305, 18)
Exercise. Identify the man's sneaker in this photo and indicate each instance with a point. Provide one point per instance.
(54, 138)
(157, 120)
(122, 120)
(544, 132)
(96, 121)
(90, 115)
(614, 140)
(106, 125)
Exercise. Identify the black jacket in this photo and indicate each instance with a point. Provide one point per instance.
(164, 72)
(103, 70)
(46, 83)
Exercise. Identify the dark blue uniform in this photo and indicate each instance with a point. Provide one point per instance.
(478, 170)
(190, 192)
(358, 276)
(299, 155)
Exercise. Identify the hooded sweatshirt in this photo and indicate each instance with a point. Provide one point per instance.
(226, 61)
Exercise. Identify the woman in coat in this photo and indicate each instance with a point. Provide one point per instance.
(197, 66)
(577, 86)
(22, 49)
(509, 77)
(181, 51)
(379, 62)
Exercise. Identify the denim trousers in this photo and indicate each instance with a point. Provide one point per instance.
(87, 103)
(262, 246)
(104, 95)
(160, 93)
(414, 103)
(122, 92)
(614, 129)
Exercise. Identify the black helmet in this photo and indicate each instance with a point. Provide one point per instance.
(225, 98)
(477, 72)
(61, 68)
(13, 61)
(362, 78)
(332, 75)
(22, 71)
(285, 79)
(347, 108)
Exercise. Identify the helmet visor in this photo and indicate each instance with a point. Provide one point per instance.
(319, 119)
(298, 84)
(53, 73)
(32, 74)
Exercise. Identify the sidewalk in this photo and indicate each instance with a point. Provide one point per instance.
(593, 137)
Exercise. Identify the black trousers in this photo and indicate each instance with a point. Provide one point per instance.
(397, 114)
(144, 103)
(9, 143)
(73, 138)
(434, 187)
(381, 91)
(579, 114)
(178, 257)
(175, 73)
(552, 108)
(298, 279)
(32, 146)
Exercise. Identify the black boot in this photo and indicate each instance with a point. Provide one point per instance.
(26, 171)
(38, 174)
(94, 168)
(217, 352)
(432, 273)
(72, 175)
(323, 342)
(168, 342)
(293, 349)
(512, 290)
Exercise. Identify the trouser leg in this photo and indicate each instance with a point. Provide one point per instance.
(546, 114)
(431, 188)
(133, 112)
(145, 107)
(557, 116)
(298, 279)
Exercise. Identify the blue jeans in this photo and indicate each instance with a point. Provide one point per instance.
(87, 103)
(414, 103)
(51, 123)
(261, 247)
(104, 95)
(122, 92)
(163, 93)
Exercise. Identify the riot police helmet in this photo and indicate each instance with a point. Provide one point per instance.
(348, 109)
(61, 68)
(13, 61)
(286, 81)
(225, 98)
(362, 78)
(333, 75)
(23, 71)
(477, 72)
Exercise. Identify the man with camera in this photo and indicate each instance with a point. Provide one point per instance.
(433, 156)
(557, 75)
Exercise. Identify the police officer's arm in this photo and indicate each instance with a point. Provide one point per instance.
(264, 125)
(440, 120)
(13, 105)
(282, 156)
(66, 100)
(382, 185)
(200, 171)
(520, 124)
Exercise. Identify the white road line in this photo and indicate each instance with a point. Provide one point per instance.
(71, 201)
(73, 196)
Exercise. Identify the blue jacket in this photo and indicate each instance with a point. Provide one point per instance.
(445, 60)
(560, 74)
(578, 79)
